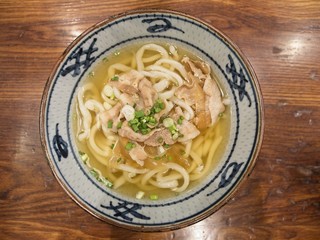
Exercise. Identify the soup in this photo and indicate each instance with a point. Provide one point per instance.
(151, 121)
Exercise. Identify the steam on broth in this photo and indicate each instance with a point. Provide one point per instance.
(151, 121)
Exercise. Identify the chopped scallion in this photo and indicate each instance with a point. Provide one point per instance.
(115, 78)
(106, 182)
(110, 124)
(157, 109)
(161, 105)
(119, 125)
(180, 119)
(145, 131)
(154, 197)
(152, 120)
(94, 173)
(129, 146)
(135, 128)
(172, 129)
(168, 122)
(134, 121)
(175, 136)
(139, 114)
(148, 112)
(84, 157)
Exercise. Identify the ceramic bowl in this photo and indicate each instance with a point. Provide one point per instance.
(236, 76)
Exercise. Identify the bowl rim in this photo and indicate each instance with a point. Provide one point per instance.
(260, 133)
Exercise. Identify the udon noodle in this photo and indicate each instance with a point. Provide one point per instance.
(150, 119)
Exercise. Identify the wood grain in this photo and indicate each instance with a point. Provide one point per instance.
(281, 198)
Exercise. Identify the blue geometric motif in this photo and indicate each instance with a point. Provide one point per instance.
(226, 181)
(123, 210)
(75, 67)
(241, 86)
(59, 145)
(163, 27)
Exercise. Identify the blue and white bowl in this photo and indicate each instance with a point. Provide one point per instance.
(236, 76)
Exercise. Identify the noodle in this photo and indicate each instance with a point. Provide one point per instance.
(140, 127)
(118, 66)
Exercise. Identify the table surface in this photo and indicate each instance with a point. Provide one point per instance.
(281, 198)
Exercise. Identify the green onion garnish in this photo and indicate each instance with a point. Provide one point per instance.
(135, 128)
(115, 78)
(180, 120)
(110, 124)
(94, 173)
(161, 105)
(175, 136)
(168, 122)
(139, 114)
(106, 182)
(145, 131)
(157, 109)
(129, 146)
(84, 157)
(153, 197)
(134, 121)
(172, 129)
(152, 120)
(119, 125)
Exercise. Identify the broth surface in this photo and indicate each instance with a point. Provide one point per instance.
(173, 154)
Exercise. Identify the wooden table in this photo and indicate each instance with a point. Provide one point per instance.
(280, 200)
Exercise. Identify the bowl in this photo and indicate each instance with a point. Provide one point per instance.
(234, 74)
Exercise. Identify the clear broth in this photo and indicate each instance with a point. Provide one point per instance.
(99, 78)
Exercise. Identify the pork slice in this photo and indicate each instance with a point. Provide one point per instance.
(132, 78)
(138, 154)
(211, 105)
(196, 97)
(188, 130)
(213, 99)
(128, 82)
(123, 87)
(197, 70)
(147, 93)
(159, 138)
(128, 99)
(111, 114)
(127, 132)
